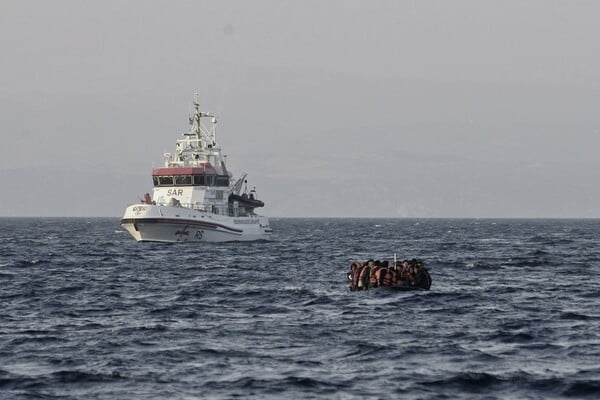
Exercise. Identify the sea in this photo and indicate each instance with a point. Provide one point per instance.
(88, 313)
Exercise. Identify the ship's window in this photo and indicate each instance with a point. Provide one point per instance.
(222, 180)
(209, 180)
(183, 180)
(199, 180)
(155, 180)
(165, 180)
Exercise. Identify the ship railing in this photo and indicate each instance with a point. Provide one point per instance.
(210, 208)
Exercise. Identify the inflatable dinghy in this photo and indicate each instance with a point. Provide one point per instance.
(402, 275)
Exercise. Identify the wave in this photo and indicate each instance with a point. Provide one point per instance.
(17, 382)
(583, 389)
(279, 385)
(29, 263)
(468, 381)
(75, 376)
(574, 316)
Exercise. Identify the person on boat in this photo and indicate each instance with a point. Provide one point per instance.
(360, 275)
(363, 278)
(353, 267)
(423, 279)
(408, 276)
(356, 269)
(397, 266)
(380, 276)
(390, 278)
(374, 275)
(419, 275)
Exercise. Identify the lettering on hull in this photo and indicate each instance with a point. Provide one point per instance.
(180, 233)
(137, 210)
(183, 235)
(245, 221)
(175, 192)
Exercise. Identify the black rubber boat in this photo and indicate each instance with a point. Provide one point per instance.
(401, 275)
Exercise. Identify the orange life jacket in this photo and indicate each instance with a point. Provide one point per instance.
(373, 278)
(363, 279)
(356, 275)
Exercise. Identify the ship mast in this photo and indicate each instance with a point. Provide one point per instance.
(195, 116)
(200, 131)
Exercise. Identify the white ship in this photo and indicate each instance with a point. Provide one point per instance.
(195, 198)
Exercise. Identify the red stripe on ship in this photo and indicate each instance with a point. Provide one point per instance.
(172, 221)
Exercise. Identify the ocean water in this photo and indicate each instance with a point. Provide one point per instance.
(88, 313)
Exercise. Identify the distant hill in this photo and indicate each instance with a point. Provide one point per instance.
(69, 192)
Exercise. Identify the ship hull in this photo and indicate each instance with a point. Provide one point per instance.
(154, 223)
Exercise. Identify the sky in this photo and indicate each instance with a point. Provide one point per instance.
(334, 108)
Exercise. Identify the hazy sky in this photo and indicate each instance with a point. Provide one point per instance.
(334, 108)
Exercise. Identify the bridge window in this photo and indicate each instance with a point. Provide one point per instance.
(183, 180)
(199, 180)
(165, 181)
(222, 180)
(206, 180)
(155, 180)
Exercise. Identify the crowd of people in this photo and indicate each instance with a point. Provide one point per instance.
(406, 274)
